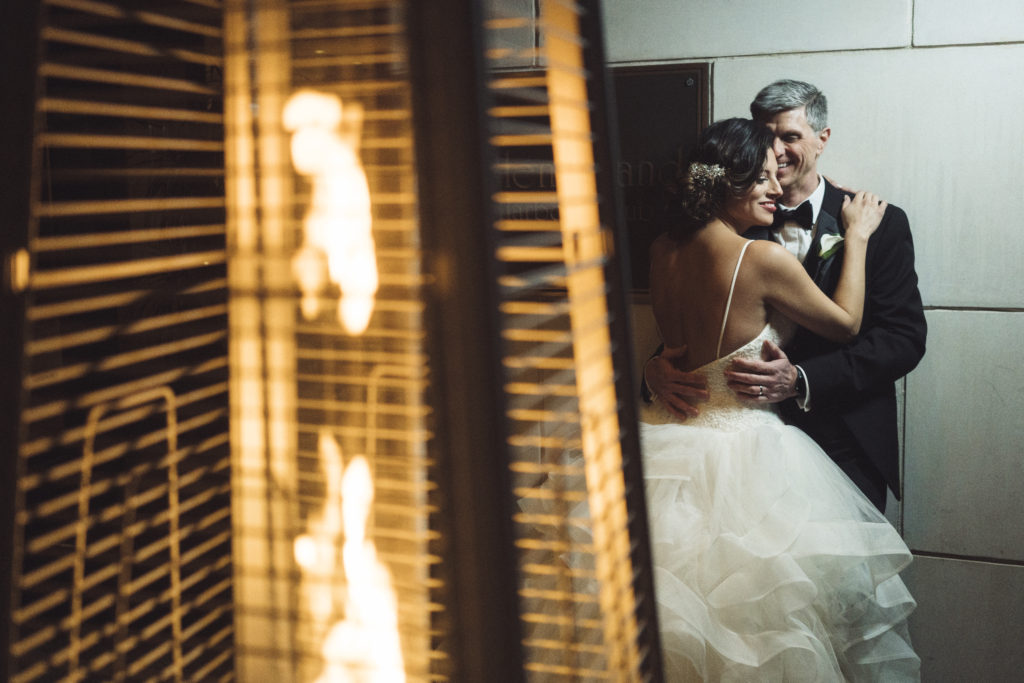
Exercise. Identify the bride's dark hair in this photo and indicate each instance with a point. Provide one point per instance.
(725, 162)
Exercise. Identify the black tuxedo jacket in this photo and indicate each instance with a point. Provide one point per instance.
(856, 381)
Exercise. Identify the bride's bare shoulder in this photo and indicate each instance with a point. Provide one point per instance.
(765, 248)
(770, 255)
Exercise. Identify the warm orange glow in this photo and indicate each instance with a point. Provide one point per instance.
(338, 236)
(584, 248)
(364, 645)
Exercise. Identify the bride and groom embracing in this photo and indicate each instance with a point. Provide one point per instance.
(772, 559)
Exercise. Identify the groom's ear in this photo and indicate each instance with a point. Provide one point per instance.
(823, 135)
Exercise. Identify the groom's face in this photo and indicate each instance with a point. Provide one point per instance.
(798, 147)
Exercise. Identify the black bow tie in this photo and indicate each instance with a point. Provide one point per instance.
(802, 215)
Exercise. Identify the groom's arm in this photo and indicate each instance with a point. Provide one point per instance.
(679, 391)
(892, 340)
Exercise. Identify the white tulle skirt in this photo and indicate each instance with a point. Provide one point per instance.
(770, 565)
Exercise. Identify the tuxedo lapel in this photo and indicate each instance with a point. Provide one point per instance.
(828, 224)
(816, 267)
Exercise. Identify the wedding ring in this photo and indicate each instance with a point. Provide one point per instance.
(760, 390)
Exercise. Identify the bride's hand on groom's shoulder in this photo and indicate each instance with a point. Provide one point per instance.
(769, 380)
(862, 214)
(679, 391)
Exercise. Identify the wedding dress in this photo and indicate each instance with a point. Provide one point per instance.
(769, 563)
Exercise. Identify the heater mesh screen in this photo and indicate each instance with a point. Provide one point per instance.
(570, 442)
(231, 463)
(313, 229)
(122, 548)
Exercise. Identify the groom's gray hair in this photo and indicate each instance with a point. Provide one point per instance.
(786, 94)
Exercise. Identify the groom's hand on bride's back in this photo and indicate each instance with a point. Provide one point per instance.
(677, 389)
(774, 373)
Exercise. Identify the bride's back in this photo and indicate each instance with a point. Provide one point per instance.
(690, 283)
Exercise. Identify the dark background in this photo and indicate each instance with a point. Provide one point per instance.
(660, 111)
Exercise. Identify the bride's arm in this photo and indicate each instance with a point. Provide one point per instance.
(789, 289)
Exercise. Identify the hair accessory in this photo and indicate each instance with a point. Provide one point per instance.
(706, 174)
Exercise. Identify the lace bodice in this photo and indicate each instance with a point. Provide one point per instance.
(724, 410)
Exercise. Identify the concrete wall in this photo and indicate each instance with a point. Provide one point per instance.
(927, 108)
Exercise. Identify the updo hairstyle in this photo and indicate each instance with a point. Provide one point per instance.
(725, 162)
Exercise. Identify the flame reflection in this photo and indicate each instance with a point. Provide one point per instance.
(364, 645)
(337, 226)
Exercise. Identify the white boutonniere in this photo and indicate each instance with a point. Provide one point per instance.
(829, 245)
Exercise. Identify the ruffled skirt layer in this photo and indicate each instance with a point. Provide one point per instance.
(770, 565)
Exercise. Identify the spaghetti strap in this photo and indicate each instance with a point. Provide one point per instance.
(728, 302)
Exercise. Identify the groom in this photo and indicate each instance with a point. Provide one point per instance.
(843, 396)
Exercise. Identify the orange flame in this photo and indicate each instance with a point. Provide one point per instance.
(363, 646)
(325, 147)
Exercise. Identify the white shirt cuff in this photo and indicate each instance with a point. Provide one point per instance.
(804, 403)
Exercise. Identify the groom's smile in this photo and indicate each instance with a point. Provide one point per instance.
(797, 147)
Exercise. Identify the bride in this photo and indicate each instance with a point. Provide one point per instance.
(770, 564)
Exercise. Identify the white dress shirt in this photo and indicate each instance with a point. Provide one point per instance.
(795, 238)
(797, 241)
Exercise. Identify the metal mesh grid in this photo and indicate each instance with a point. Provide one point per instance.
(566, 447)
(122, 541)
(310, 395)
(127, 513)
